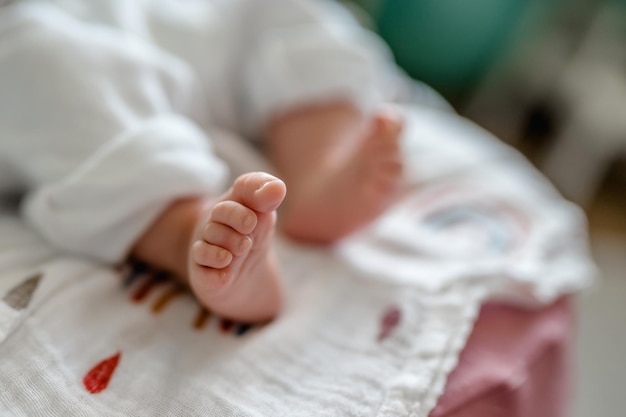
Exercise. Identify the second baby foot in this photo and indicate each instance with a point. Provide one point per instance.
(344, 196)
(232, 268)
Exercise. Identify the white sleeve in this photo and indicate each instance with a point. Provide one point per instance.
(303, 51)
(97, 127)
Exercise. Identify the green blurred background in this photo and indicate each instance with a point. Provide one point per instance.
(452, 44)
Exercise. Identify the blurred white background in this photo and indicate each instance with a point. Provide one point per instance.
(548, 77)
(562, 100)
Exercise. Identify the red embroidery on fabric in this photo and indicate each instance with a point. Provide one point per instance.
(166, 297)
(147, 286)
(99, 376)
(226, 325)
(390, 320)
(201, 318)
(147, 279)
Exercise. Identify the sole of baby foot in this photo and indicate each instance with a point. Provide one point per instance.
(232, 267)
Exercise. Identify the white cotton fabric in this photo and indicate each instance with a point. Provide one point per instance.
(107, 105)
(478, 222)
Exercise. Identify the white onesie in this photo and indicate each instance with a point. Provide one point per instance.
(106, 105)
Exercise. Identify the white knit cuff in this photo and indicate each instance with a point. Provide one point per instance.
(102, 207)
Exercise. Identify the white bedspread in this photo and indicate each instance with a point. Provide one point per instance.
(371, 327)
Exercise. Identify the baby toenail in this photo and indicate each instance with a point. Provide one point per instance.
(222, 254)
(245, 244)
(248, 220)
(264, 184)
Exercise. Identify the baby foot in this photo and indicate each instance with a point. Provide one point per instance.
(232, 268)
(348, 194)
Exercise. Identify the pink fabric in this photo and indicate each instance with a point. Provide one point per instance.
(515, 364)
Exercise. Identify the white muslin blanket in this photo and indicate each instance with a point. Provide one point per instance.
(371, 327)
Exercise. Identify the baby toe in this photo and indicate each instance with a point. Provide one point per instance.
(226, 237)
(389, 123)
(235, 215)
(212, 256)
(259, 191)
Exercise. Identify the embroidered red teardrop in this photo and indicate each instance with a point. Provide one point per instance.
(99, 376)
(391, 318)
